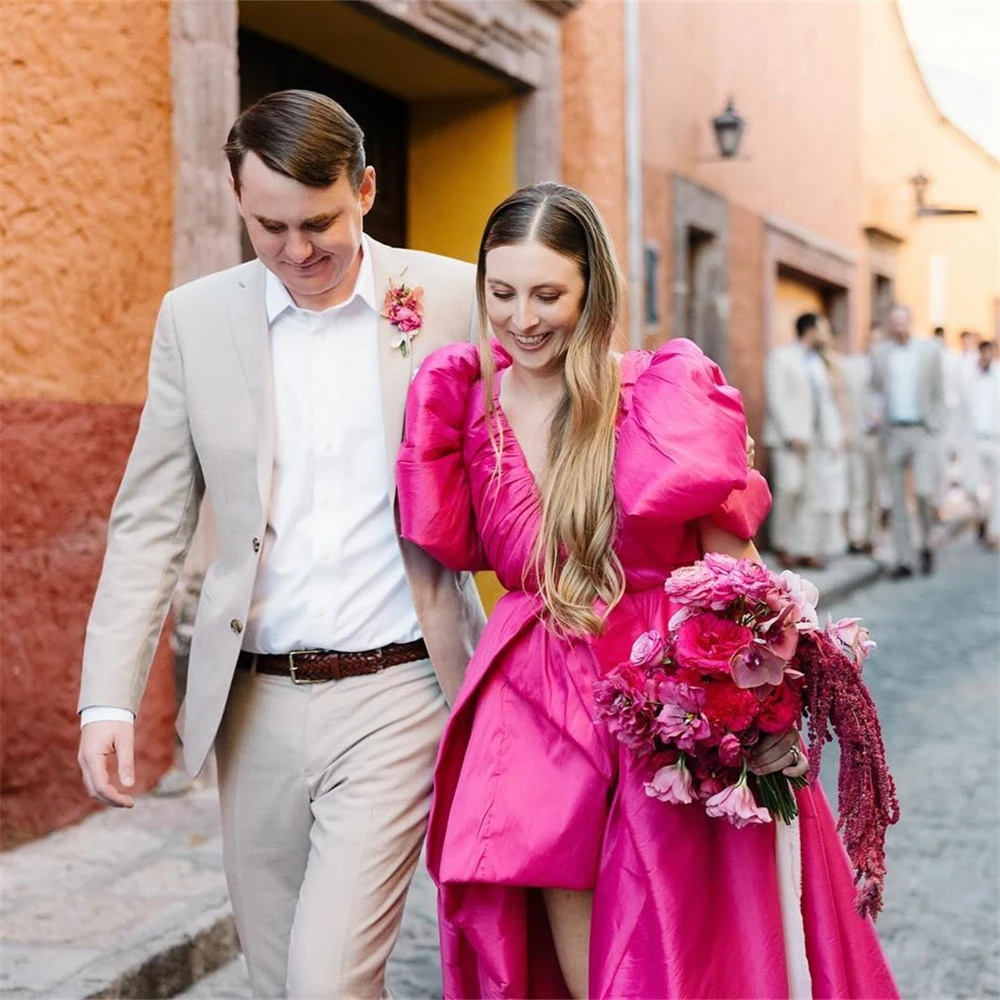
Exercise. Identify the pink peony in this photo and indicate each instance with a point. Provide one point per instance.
(680, 720)
(736, 803)
(671, 784)
(755, 665)
(707, 643)
(648, 649)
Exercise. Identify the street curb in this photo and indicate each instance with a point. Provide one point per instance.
(164, 967)
(838, 591)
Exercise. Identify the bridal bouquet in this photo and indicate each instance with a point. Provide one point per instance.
(745, 655)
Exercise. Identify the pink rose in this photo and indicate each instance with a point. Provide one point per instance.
(690, 585)
(736, 803)
(707, 643)
(406, 319)
(671, 784)
(780, 710)
(648, 649)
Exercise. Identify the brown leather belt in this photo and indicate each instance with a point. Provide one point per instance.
(316, 666)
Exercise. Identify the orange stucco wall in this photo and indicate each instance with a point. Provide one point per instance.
(904, 133)
(85, 183)
(86, 191)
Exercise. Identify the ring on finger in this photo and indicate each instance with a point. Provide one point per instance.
(796, 756)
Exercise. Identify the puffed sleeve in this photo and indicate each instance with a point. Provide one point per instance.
(435, 497)
(682, 448)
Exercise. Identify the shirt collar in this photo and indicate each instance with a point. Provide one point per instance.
(277, 298)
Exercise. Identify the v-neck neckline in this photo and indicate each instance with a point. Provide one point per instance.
(508, 429)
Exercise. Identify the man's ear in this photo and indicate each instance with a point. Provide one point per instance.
(367, 190)
(236, 194)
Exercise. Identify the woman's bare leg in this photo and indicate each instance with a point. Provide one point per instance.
(569, 917)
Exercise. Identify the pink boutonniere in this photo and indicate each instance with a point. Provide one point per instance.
(404, 309)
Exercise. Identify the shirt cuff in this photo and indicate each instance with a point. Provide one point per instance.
(105, 713)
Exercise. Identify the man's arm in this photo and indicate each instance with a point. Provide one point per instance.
(151, 525)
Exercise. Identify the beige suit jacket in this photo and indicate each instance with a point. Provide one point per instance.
(930, 375)
(788, 396)
(208, 425)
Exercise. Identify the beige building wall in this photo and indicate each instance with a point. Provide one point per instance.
(948, 269)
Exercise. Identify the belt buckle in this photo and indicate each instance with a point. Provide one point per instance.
(293, 670)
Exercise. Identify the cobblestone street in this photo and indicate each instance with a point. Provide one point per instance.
(935, 680)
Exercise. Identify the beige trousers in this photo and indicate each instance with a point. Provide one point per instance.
(793, 488)
(325, 790)
(912, 449)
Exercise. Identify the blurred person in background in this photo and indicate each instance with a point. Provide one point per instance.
(907, 376)
(829, 500)
(863, 451)
(983, 477)
(791, 431)
(951, 455)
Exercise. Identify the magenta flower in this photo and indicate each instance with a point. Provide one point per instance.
(755, 665)
(730, 750)
(624, 706)
(681, 720)
(671, 784)
(648, 649)
(736, 803)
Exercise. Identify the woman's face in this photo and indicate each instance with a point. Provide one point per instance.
(534, 297)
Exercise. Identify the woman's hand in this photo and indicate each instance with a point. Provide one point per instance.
(779, 753)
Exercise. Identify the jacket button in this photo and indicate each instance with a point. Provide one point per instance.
(256, 545)
(236, 625)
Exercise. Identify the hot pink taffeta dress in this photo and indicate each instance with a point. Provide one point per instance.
(529, 792)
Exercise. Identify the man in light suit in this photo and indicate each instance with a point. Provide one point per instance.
(907, 376)
(278, 387)
(863, 453)
(792, 430)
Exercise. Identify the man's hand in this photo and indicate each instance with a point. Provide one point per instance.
(751, 448)
(101, 743)
(797, 445)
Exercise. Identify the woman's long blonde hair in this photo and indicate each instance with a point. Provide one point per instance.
(575, 558)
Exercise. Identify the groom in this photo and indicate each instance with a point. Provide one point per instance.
(325, 646)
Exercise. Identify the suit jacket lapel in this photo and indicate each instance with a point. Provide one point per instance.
(395, 371)
(248, 323)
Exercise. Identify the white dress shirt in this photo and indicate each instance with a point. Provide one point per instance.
(331, 575)
(903, 384)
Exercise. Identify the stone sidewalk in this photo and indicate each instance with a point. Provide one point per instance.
(134, 904)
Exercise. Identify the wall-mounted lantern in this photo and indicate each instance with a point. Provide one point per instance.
(728, 128)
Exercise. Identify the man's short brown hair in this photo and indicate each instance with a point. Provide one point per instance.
(300, 134)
